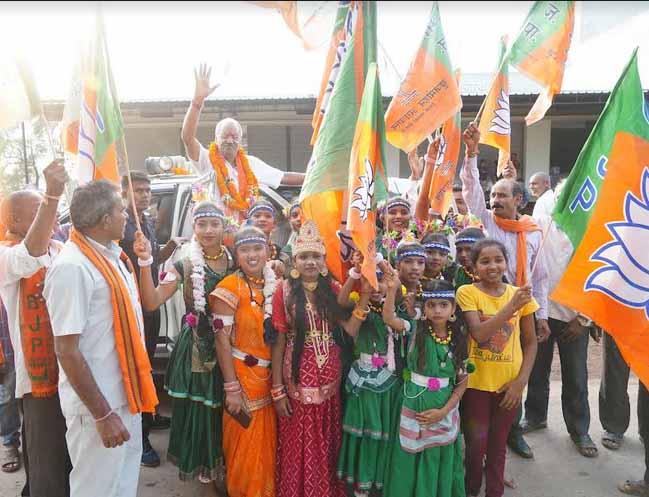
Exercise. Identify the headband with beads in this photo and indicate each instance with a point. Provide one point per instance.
(200, 215)
(397, 203)
(443, 294)
(251, 239)
(260, 207)
(466, 239)
(411, 253)
(437, 246)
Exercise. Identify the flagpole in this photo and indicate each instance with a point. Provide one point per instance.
(493, 80)
(50, 140)
(130, 183)
(131, 195)
(538, 253)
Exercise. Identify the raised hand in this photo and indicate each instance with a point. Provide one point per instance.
(416, 165)
(202, 89)
(55, 178)
(522, 297)
(509, 171)
(471, 139)
(142, 246)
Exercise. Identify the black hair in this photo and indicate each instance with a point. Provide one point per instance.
(435, 238)
(480, 245)
(207, 206)
(470, 233)
(327, 306)
(458, 345)
(136, 177)
(457, 187)
(265, 203)
(407, 246)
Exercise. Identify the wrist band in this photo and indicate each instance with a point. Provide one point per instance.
(111, 412)
(51, 197)
(353, 274)
(145, 263)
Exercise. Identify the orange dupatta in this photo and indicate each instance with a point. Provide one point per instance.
(133, 359)
(520, 226)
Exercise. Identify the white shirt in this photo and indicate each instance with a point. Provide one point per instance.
(544, 205)
(266, 174)
(556, 254)
(16, 264)
(475, 201)
(79, 302)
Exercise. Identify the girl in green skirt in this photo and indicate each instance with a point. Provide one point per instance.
(372, 393)
(193, 378)
(425, 457)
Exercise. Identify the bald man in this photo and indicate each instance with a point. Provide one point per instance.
(228, 136)
(541, 188)
(25, 254)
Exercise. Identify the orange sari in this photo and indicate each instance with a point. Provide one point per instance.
(249, 452)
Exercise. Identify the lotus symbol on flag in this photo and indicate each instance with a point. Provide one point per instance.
(363, 194)
(500, 123)
(625, 276)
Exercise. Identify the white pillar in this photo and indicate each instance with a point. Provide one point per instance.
(537, 148)
(392, 160)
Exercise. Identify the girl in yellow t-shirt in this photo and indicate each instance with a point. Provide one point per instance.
(502, 345)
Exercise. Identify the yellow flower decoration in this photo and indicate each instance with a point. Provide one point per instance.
(404, 290)
(354, 297)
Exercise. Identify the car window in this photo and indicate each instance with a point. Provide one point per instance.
(161, 211)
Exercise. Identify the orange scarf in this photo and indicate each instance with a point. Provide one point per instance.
(236, 200)
(520, 226)
(133, 359)
(36, 335)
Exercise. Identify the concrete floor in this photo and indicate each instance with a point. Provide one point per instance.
(557, 470)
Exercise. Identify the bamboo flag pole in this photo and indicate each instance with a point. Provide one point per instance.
(53, 151)
(539, 252)
(476, 120)
(113, 90)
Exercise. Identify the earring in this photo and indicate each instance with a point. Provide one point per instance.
(452, 319)
(324, 272)
(295, 274)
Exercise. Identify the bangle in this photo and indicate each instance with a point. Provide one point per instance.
(105, 417)
(145, 262)
(47, 197)
(232, 386)
(471, 155)
(353, 274)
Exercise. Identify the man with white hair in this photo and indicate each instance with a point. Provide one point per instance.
(237, 175)
(541, 188)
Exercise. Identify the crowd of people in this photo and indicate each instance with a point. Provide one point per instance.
(283, 380)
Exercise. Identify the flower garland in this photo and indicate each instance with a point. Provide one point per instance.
(270, 284)
(198, 282)
(230, 195)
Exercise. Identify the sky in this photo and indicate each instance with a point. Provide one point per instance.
(155, 46)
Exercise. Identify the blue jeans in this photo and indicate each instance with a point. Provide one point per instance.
(9, 414)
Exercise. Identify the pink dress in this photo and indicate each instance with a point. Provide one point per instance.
(309, 440)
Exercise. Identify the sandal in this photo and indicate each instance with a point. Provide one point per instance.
(585, 445)
(10, 459)
(611, 441)
(634, 487)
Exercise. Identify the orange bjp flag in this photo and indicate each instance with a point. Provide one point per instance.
(608, 276)
(441, 186)
(428, 95)
(367, 181)
(495, 122)
(541, 50)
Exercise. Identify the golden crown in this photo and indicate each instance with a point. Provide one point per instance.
(308, 239)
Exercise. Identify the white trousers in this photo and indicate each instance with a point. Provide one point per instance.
(98, 471)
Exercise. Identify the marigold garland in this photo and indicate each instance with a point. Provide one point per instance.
(230, 196)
